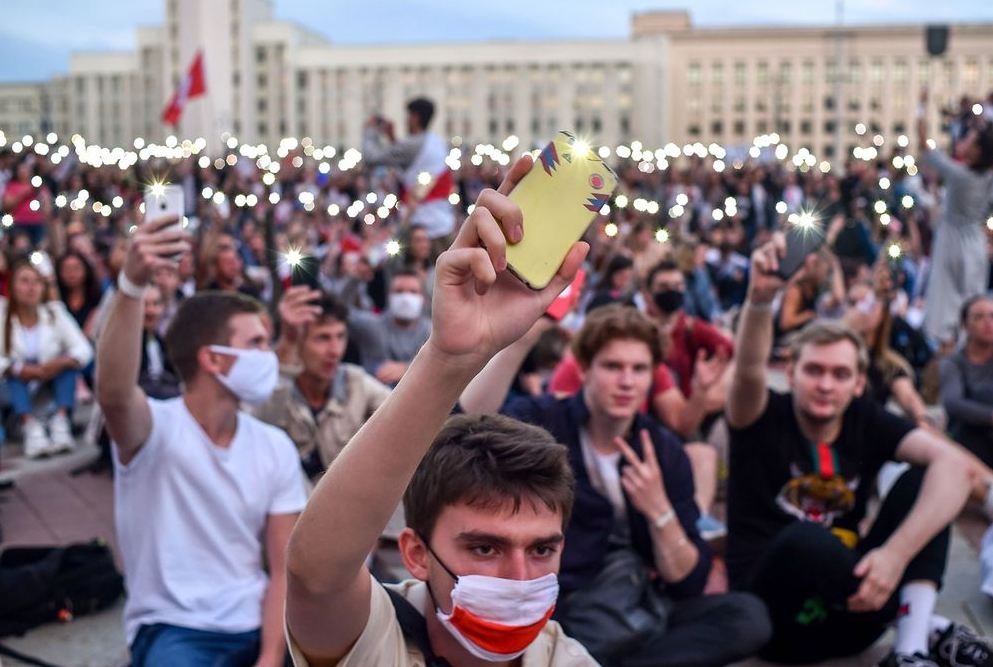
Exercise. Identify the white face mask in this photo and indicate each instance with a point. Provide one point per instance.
(497, 619)
(253, 376)
(406, 305)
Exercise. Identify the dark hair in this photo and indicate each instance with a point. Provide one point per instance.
(969, 303)
(665, 266)
(423, 109)
(486, 461)
(204, 319)
(332, 308)
(616, 264)
(614, 322)
(406, 271)
(91, 286)
(984, 140)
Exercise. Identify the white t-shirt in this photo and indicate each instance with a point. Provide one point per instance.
(191, 516)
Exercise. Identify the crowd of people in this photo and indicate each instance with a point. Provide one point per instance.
(326, 394)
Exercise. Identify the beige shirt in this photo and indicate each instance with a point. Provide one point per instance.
(355, 395)
(382, 641)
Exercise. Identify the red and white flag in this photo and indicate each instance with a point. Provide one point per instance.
(193, 85)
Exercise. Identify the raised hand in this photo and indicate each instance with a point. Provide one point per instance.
(478, 307)
(297, 310)
(764, 282)
(154, 244)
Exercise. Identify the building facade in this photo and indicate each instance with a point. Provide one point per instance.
(668, 82)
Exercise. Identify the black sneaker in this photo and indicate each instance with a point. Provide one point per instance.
(958, 646)
(904, 660)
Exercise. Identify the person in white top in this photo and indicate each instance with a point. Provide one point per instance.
(205, 494)
(41, 347)
(487, 502)
(427, 179)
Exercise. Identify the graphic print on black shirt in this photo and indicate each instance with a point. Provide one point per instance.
(822, 495)
(777, 476)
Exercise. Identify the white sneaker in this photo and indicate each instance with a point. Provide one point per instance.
(36, 443)
(61, 432)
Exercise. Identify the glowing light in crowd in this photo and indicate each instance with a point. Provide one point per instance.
(977, 109)
(781, 207)
(860, 129)
(621, 201)
(989, 222)
(156, 188)
(8, 220)
(907, 201)
(894, 251)
(293, 257)
(392, 247)
(662, 236)
(879, 206)
(36, 181)
(884, 183)
(610, 229)
(884, 219)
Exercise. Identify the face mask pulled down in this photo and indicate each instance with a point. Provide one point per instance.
(496, 619)
(253, 376)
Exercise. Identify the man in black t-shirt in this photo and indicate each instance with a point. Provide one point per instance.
(803, 467)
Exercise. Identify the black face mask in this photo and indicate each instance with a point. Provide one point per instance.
(668, 301)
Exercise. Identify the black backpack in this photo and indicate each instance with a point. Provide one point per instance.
(415, 628)
(43, 584)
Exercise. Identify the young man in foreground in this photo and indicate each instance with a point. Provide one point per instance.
(485, 510)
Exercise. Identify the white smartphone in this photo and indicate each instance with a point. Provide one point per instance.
(164, 201)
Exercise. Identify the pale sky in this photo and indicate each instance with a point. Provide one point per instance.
(36, 38)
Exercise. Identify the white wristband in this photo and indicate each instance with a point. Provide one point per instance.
(128, 288)
(664, 519)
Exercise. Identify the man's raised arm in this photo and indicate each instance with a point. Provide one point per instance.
(123, 403)
(479, 308)
(747, 394)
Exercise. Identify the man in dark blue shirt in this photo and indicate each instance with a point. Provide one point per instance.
(634, 493)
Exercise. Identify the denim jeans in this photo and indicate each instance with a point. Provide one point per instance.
(162, 645)
(63, 386)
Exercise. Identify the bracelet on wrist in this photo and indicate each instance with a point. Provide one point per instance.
(128, 288)
(664, 519)
(759, 307)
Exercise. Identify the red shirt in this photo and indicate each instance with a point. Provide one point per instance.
(566, 380)
(22, 213)
(689, 336)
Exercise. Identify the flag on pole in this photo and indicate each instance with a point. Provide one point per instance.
(193, 85)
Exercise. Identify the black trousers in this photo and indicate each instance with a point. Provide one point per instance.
(806, 577)
(705, 631)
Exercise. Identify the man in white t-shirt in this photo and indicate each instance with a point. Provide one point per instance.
(205, 494)
(487, 502)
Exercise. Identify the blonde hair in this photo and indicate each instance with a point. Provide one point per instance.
(826, 332)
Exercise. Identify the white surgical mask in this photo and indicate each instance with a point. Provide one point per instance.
(253, 376)
(406, 305)
(497, 619)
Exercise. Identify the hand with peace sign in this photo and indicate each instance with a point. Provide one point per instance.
(642, 479)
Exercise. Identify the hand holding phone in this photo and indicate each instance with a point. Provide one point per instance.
(559, 197)
(802, 240)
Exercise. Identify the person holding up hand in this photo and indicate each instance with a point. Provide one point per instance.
(206, 495)
(486, 499)
(803, 466)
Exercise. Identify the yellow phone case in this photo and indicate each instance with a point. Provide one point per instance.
(561, 195)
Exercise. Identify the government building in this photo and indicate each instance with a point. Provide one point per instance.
(667, 82)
